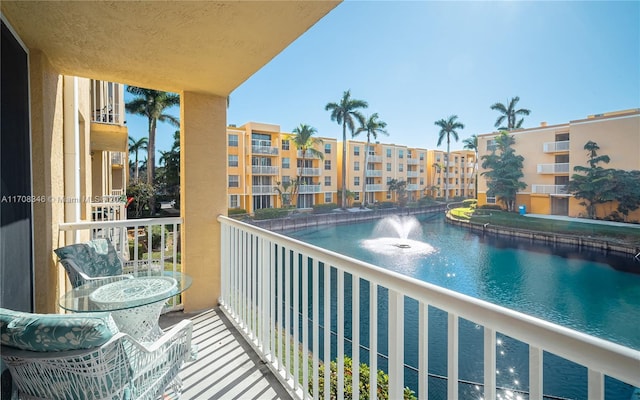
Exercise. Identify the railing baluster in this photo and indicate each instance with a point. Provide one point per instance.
(340, 329)
(279, 263)
(327, 331)
(595, 388)
(305, 324)
(255, 257)
(315, 334)
(490, 363)
(296, 318)
(396, 344)
(423, 351)
(373, 340)
(535, 373)
(452, 357)
(355, 336)
(287, 312)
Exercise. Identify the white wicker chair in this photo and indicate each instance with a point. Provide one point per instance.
(121, 368)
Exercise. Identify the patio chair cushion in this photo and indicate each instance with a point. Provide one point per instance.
(55, 332)
(96, 257)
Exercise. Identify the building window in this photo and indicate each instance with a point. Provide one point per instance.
(233, 201)
(327, 165)
(356, 165)
(491, 145)
(421, 181)
(400, 153)
(356, 150)
(388, 180)
(421, 169)
(389, 166)
(388, 153)
(356, 196)
(328, 197)
(233, 160)
(388, 195)
(233, 140)
(285, 162)
(286, 179)
(421, 156)
(356, 181)
(400, 167)
(285, 144)
(491, 200)
(234, 181)
(327, 181)
(327, 149)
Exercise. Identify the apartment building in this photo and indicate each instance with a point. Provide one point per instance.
(552, 151)
(263, 160)
(461, 178)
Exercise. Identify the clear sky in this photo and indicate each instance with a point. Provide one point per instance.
(416, 62)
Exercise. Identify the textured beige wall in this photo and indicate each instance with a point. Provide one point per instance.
(203, 193)
(48, 177)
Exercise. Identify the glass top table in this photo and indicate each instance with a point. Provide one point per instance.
(135, 301)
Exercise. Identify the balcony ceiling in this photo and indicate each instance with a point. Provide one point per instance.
(201, 46)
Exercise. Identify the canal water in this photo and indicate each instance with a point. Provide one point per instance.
(591, 292)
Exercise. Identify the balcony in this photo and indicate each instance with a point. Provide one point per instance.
(308, 155)
(304, 189)
(374, 158)
(413, 187)
(374, 188)
(263, 189)
(412, 161)
(413, 174)
(308, 171)
(264, 170)
(117, 158)
(105, 102)
(557, 168)
(555, 147)
(263, 147)
(549, 189)
(373, 173)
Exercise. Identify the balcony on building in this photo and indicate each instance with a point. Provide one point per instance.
(374, 173)
(413, 174)
(263, 189)
(107, 125)
(263, 147)
(413, 186)
(305, 189)
(307, 155)
(308, 171)
(373, 158)
(549, 189)
(264, 170)
(413, 161)
(554, 168)
(374, 187)
(556, 147)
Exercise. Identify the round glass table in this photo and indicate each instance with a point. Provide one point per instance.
(135, 302)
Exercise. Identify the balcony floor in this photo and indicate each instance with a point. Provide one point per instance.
(227, 367)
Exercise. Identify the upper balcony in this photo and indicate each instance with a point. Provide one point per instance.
(264, 170)
(555, 168)
(556, 147)
(413, 187)
(374, 173)
(413, 161)
(374, 158)
(263, 189)
(308, 171)
(307, 155)
(305, 189)
(549, 189)
(118, 158)
(108, 130)
(413, 174)
(374, 188)
(263, 147)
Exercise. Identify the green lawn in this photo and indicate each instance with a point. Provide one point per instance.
(614, 233)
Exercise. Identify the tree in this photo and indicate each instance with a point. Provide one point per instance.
(504, 170)
(304, 141)
(471, 143)
(448, 129)
(343, 113)
(510, 114)
(627, 191)
(400, 188)
(171, 161)
(594, 184)
(373, 127)
(285, 190)
(134, 147)
(152, 104)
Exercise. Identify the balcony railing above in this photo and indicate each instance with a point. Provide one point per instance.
(308, 171)
(270, 283)
(556, 147)
(374, 188)
(263, 189)
(106, 102)
(413, 187)
(373, 173)
(557, 168)
(264, 170)
(307, 155)
(412, 161)
(303, 189)
(413, 174)
(549, 189)
(374, 158)
(117, 158)
(264, 149)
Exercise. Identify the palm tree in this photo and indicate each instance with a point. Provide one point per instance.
(343, 113)
(304, 141)
(471, 143)
(510, 114)
(134, 147)
(373, 126)
(448, 129)
(152, 104)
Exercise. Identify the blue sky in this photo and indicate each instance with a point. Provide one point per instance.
(420, 61)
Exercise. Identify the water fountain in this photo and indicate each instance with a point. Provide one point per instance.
(398, 235)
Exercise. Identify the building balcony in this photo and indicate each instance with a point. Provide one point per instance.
(556, 147)
(557, 168)
(263, 189)
(374, 173)
(413, 174)
(264, 170)
(308, 171)
(118, 158)
(374, 158)
(374, 188)
(305, 189)
(412, 161)
(263, 148)
(549, 189)
(307, 156)
(413, 187)
(106, 102)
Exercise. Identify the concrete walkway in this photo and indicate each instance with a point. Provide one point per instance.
(584, 220)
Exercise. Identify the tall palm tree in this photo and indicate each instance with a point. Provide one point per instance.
(373, 127)
(152, 104)
(448, 129)
(304, 141)
(343, 113)
(509, 113)
(134, 147)
(471, 143)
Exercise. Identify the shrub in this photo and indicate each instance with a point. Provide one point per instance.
(356, 204)
(383, 382)
(271, 213)
(324, 208)
(386, 204)
(236, 211)
(491, 207)
(425, 201)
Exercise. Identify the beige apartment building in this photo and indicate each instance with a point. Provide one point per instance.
(461, 178)
(262, 160)
(552, 151)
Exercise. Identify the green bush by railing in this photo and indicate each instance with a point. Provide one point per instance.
(490, 207)
(236, 211)
(271, 213)
(324, 208)
(386, 204)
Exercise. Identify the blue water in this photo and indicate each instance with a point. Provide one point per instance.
(582, 290)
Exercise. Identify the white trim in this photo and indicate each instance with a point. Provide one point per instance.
(604, 118)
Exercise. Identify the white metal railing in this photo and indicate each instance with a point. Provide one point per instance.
(308, 171)
(557, 168)
(117, 157)
(374, 172)
(263, 189)
(374, 158)
(412, 161)
(144, 244)
(413, 186)
(412, 174)
(105, 102)
(261, 147)
(261, 292)
(549, 189)
(374, 187)
(309, 188)
(308, 155)
(264, 170)
(108, 211)
(553, 147)
(117, 192)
